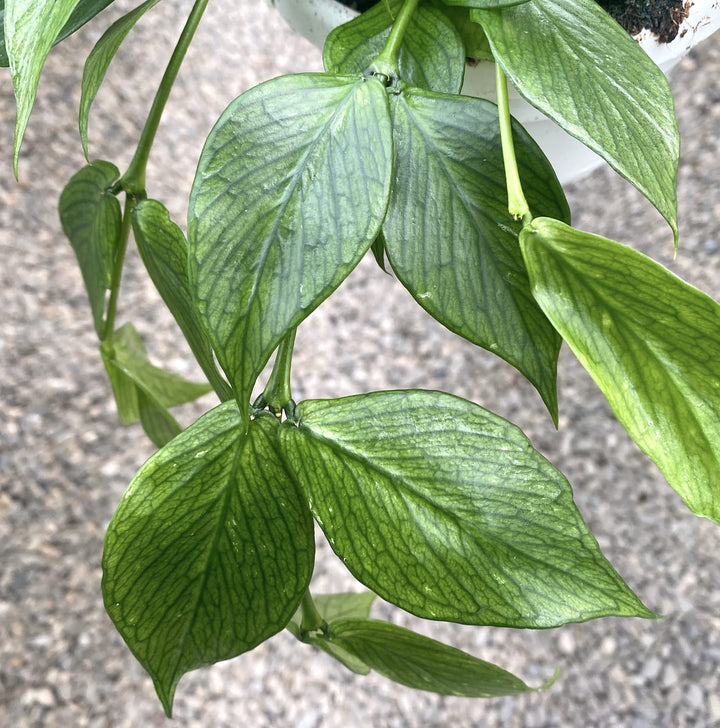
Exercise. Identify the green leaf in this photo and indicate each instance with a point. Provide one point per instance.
(91, 219)
(163, 249)
(31, 27)
(485, 4)
(446, 510)
(290, 192)
(143, 391)
(432, 55)
(348, 605)
(84, 10)
(449, 236)
(650, 341)
(378, 251)
(572, 61)
(210, 549)
(344, 605)
(473, 36)
(423, 663)
(98, 61)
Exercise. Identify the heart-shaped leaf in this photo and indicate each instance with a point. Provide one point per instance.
(432, 55)
(650, 341)
(445, 509)
(449, 236)
(290, 192)
(91, 219)
(572, 61)
(210, 549)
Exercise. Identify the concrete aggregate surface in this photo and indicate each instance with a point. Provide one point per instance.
(65, 460)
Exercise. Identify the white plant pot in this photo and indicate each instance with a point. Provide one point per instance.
(314, 19)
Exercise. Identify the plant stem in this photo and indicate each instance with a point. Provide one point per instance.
(118, 268)
(387, 62)
(133, 181)
(517, 204)
(277, 393)
(312, 620)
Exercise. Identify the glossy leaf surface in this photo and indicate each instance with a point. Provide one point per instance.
(449, 237)
(422, 663)
(650, 341)
(98, 61)
(432, 55)
(143, 391)
(84, 10)
(598, 84)
(91, 219)
(163, 248)
(446, 510)
(210, 549)
(290, 192)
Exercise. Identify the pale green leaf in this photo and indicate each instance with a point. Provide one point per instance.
(91, 219)
(84, 10)
(163, 248)
(344, 605)
(449, 236)
(485, 4)
(98, 61)
(446, 510)
(572, 61)
(210, 549)
(423, 663)
(290, 192)
(650, 341)
(347, 605)
(143, 391)
(31, 27)
(431, 56)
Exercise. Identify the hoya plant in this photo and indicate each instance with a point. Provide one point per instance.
(432, 502)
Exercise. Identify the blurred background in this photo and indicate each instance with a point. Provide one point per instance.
(65, 460)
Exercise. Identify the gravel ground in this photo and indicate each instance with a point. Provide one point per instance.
(64, 460)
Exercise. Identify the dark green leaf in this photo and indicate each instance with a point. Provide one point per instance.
(473, 36)
(163, 249)
(31, 27)
(572, 61)
(446, 510)
(210, 549)
(422, 663)
(143, 391)
(290, 192)
(84, 10)
(378, 251)
(649, 340)
(432, 54)
(99, 59)
(449, 236)
(91, 219)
